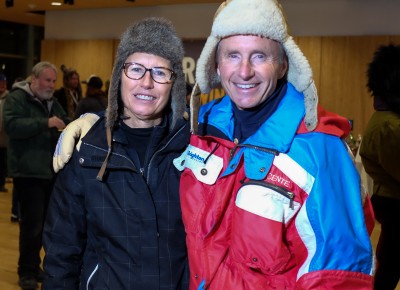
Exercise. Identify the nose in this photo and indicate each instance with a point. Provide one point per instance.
(246, 70)
(147, 80)
(52, 85)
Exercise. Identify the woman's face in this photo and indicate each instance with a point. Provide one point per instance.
(144, 99)
(73, 81)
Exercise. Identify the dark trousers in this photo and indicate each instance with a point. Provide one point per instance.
(3, 166)
(387, 213)
(15, 203)
(33, 197)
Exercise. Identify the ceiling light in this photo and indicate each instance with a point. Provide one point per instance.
(56, 3)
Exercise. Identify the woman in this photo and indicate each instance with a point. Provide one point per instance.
(114, 218)
(71, 92)
(380, 156)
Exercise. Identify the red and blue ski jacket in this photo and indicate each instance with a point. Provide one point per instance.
(281, 210)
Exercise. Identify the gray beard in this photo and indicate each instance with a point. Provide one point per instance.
(44, 96)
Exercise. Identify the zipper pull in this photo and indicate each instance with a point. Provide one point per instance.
(291, 198)
(142, 171)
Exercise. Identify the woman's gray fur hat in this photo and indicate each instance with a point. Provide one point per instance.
(263, 18)
(155, 36)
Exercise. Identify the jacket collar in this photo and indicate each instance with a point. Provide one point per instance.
(276, 134)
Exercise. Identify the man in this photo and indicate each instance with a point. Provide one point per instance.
(380, 156)
(269, 194)
(270, 197)
(95, 100)
(3, 135)
(32, 119)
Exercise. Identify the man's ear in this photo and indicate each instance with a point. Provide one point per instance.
(284, 69)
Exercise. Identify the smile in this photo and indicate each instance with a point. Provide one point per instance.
(245, 86)
(145, 97)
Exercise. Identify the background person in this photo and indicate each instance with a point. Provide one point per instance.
(15, 212)
(95, 100)
(380, 156)
(3, 135)
(32, 119)
(70, 93)
(114, 219)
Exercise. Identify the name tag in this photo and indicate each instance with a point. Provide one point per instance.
(205, 167)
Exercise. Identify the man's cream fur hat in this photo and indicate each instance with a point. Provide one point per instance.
(263, 18)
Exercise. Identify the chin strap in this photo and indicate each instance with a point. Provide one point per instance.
(104, 165)
(194, 108)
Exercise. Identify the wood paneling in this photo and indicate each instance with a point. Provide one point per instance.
(344, 62)
(86, 56)
(311, 47)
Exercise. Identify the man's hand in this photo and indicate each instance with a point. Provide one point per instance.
(65, 145)
(55, 122)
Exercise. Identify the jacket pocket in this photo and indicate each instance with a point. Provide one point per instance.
(260, 219)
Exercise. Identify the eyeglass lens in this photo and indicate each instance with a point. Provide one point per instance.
(137, 71)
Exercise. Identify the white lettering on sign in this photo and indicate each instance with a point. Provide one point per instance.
(189, 66)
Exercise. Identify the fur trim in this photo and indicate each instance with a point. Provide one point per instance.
(264, 18)
(154, 36)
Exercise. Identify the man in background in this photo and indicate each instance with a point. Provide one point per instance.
(95, 99)
(3, 135)
(33, 120)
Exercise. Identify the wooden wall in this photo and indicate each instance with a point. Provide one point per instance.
(86, 56)
(339, 65)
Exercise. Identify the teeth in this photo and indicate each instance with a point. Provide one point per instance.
(145, 97)
(249, 86)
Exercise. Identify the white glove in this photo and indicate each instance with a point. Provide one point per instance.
(65, 145)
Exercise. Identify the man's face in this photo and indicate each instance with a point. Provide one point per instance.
(249, 67)
(3, 86)
(43, 85)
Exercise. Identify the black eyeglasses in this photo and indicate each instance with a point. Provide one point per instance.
(136, 71)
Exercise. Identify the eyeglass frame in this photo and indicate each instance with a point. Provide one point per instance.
(128, 64)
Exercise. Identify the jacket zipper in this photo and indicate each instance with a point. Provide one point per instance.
(268, 150)
(91, 276)
(158, 151)
(289, 195)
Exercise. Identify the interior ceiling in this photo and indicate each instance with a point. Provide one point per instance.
(33, 11)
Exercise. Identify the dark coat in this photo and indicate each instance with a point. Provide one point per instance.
(69, 105)
(380, 153)
(91, 104)
(31, 141)
(124, 232)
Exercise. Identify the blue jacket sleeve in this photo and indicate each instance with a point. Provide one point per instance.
(331, 222)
